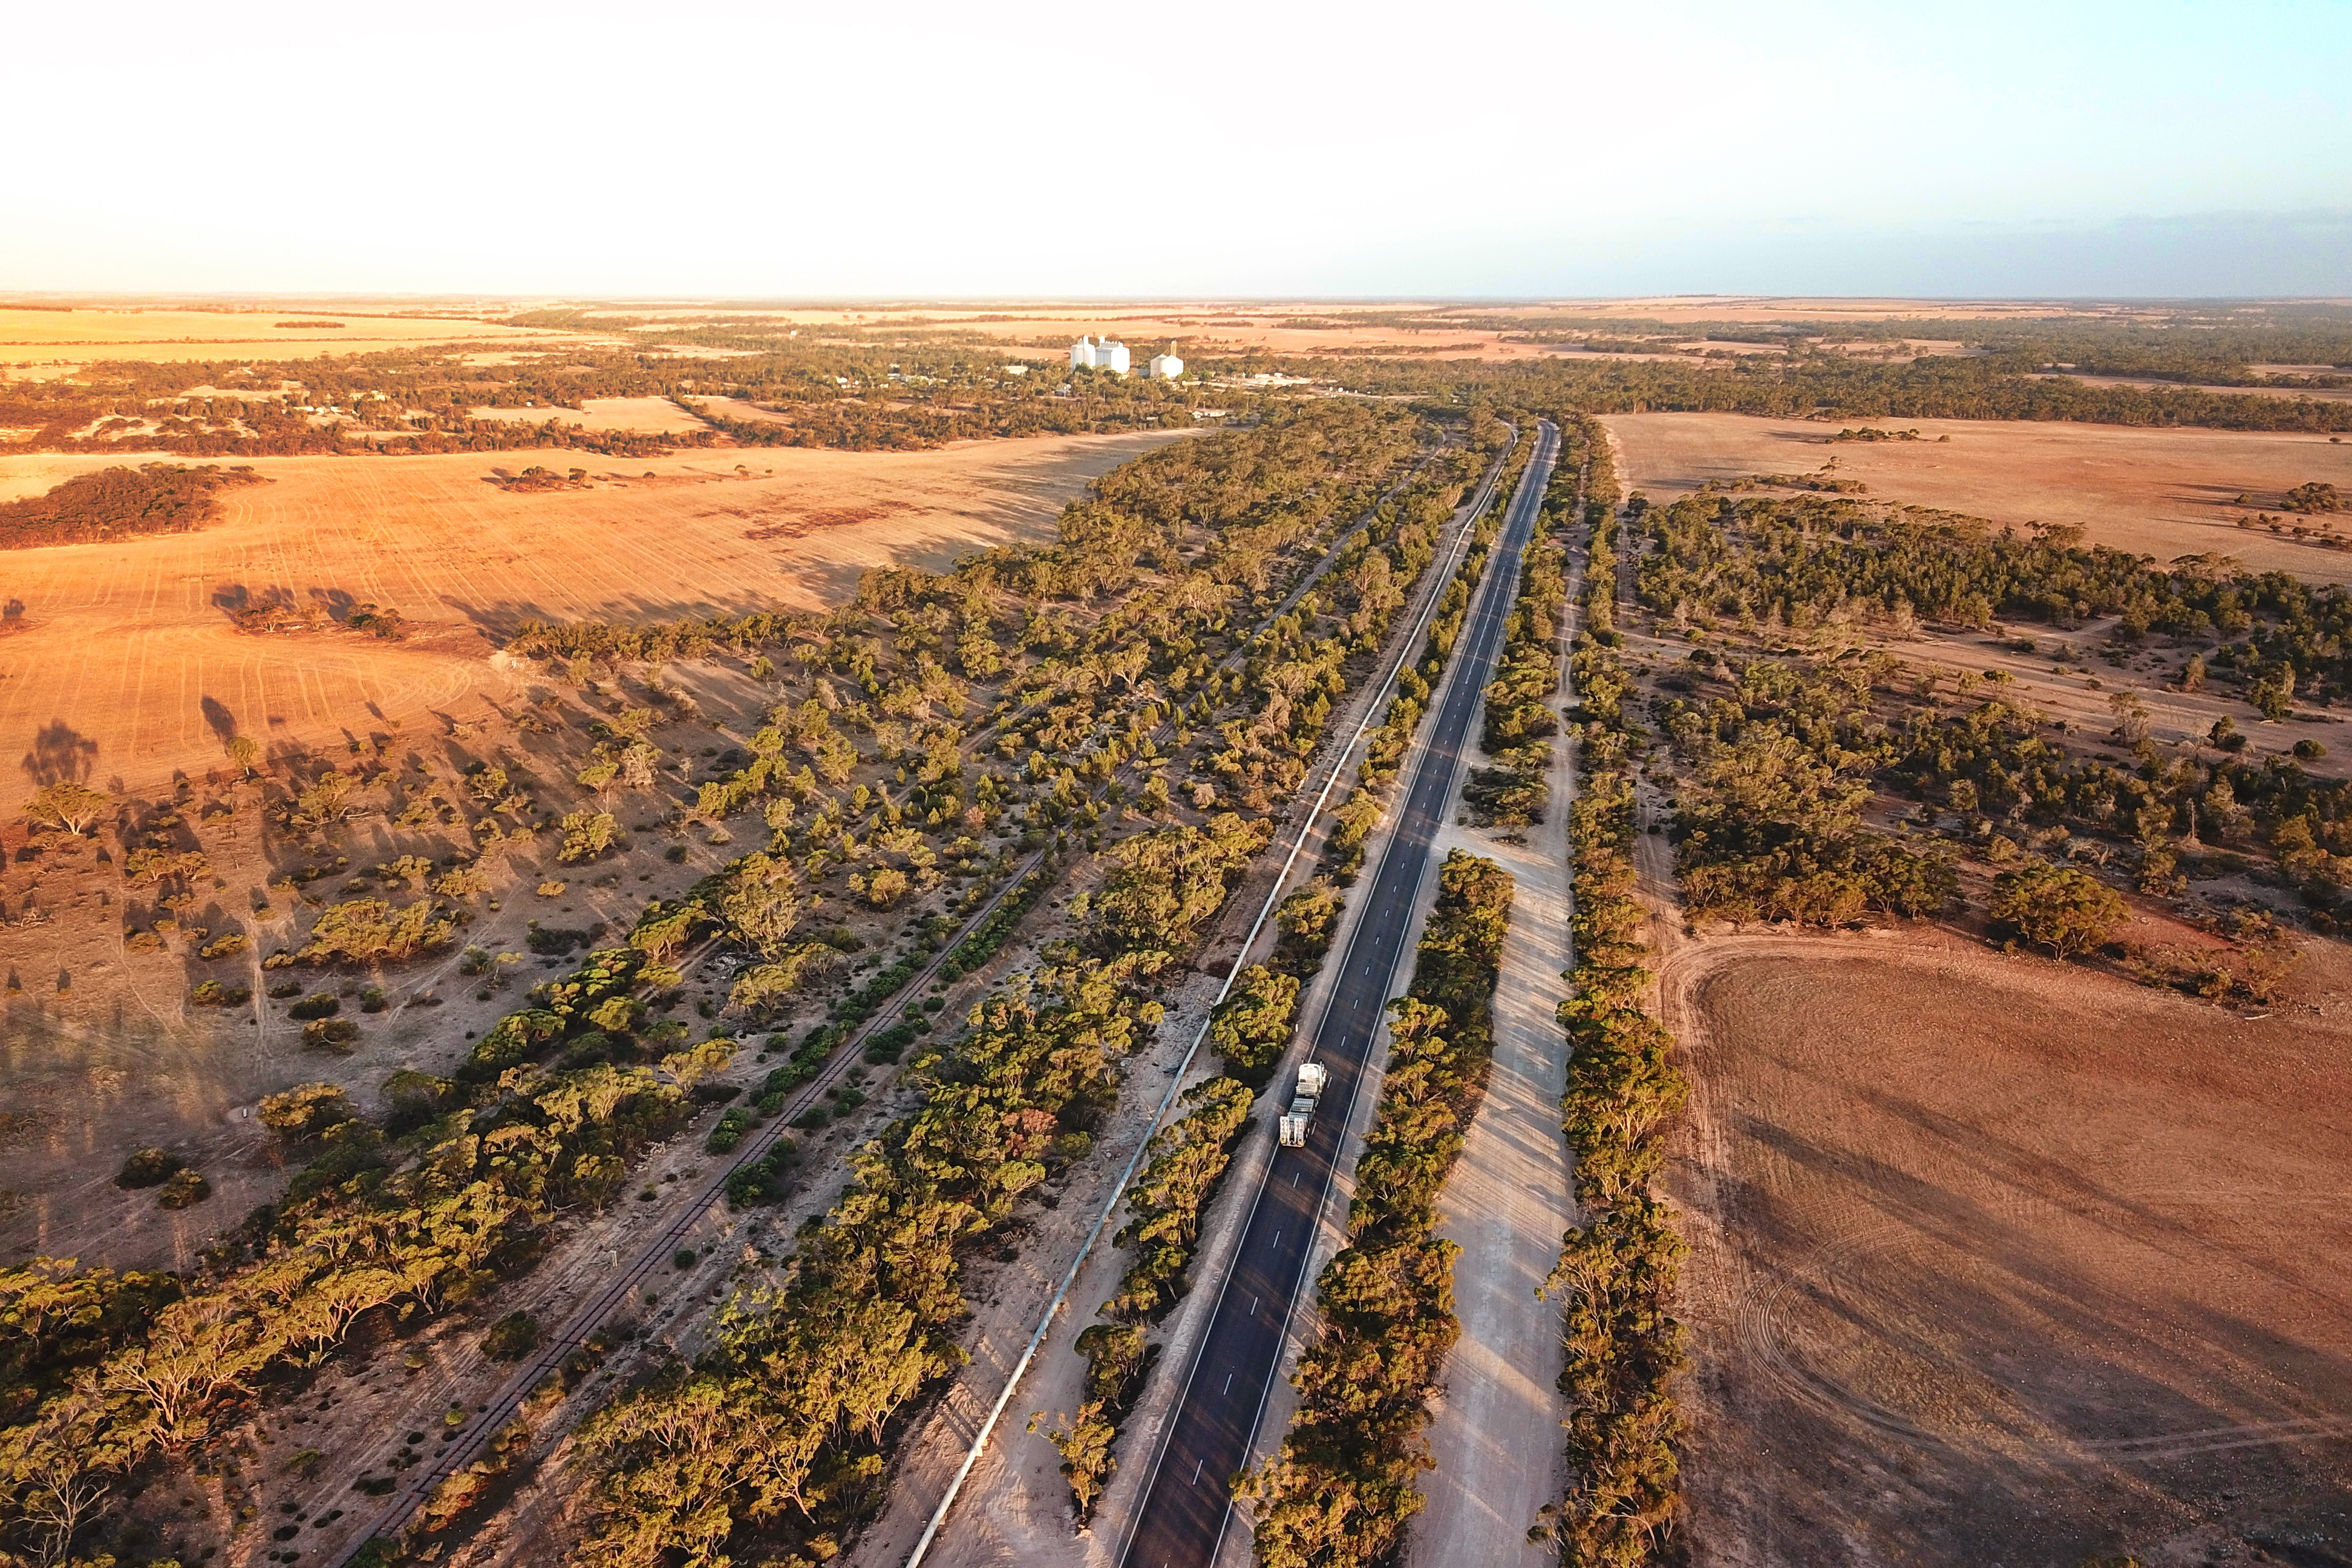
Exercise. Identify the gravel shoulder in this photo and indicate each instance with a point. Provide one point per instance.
(1495, 1431)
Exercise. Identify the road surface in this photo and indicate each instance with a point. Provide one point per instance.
(1187, 1505)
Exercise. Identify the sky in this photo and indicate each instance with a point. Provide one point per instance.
(1218, 150)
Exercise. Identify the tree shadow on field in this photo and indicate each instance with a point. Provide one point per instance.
(502, 619)
(60, 755)
(218, 719)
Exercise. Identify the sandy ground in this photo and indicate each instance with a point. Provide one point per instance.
(131, 661)
(2165, 493)
(1496, 1435)
(2000, 1260)
(654, 416)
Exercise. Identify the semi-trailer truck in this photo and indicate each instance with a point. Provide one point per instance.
(1311, 1078)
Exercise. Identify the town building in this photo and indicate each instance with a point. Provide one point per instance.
(1166, 366)
(1109, 355)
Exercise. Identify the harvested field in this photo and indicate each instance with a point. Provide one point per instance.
(39, 340)
(2160, 493)
(130, 657)
(2050, 1268)
(2291, 393)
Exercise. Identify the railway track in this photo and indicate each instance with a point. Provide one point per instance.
(468, 1441)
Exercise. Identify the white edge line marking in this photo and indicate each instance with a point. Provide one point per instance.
(1119, 1193)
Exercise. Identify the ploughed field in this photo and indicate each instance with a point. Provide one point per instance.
(2160, 493)
(126, 655)
(2001, 1262)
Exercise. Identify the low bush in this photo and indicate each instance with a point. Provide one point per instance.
(148, 1168)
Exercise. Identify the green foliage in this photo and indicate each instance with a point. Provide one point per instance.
(512, 1337)
(1164, 1207)
(184, 1189)
(1771, 828)
(305, 1112)
(68, 806)
(1308, 920)
(1520, 719)
(586, 835)
(1616, 1274)
(148, 1168)
(2062, 908)
(593, 999)
(1188, 1157)
(1252, 1026)
(1159, 887)
(755, 1436)
(369, 931)
(729, 1131)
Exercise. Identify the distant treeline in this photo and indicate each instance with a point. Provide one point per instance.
(844, 395)
(1831, 387)
(120, 503)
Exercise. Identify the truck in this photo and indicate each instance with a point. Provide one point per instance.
(1311, 1079)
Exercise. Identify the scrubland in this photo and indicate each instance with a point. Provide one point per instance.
(369, 917)
(613, 754)
(2010, 995)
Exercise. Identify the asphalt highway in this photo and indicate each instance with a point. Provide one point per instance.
(622, 1282)
(1186, 1505)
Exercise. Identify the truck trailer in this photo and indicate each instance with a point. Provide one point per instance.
(1311, 1079)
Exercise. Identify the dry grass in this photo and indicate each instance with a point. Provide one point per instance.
(130, 643)
(1991, 1251)
(2164, 493)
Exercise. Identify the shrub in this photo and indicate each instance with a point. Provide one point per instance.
(2061, 908)
(330, 1035)
(587, 834)
(729, 1131)
(323, 1006)
(306, 1110)
(148, 1168)
(364, 931)
(184, 1188)
(512, 1337)
(214, 993)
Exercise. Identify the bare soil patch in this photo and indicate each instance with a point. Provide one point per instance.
(2161, 492)
(2000, 1260)
(134, 654)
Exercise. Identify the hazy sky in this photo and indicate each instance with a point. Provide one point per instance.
(1227, 149)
